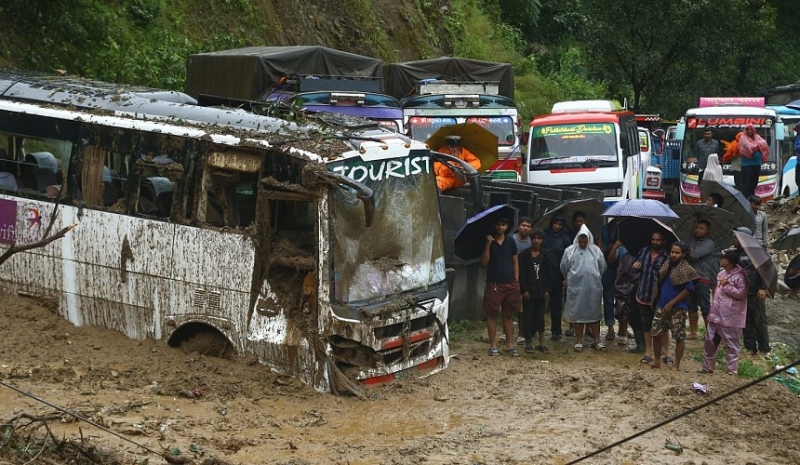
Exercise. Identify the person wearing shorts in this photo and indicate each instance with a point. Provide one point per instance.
(501, 296)
(648, 262)
(677, 278)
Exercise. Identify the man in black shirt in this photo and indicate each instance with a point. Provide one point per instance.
(501, 294)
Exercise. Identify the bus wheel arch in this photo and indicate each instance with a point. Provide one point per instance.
(202, 338)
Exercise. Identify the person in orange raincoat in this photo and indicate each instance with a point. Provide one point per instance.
(445, 178)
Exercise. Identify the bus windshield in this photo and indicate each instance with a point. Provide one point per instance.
(422, 128)
(566, 145)
(500, 126)
(402, 250)
(725, 136)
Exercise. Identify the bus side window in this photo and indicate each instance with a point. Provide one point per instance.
(100, 185)
(41, 164)
(230, 199)
(155, 196)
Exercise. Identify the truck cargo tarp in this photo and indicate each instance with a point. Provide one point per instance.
(399, 79)
(247, 73)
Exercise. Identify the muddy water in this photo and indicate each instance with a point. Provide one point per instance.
(481, 410)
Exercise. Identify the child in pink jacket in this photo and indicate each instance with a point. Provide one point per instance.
(727, 315)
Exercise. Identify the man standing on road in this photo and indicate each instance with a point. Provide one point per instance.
(701, 257)
(523, 240)
(501, 295)
(555, 242)
(677, 279)
(756, 331)
(649, 260)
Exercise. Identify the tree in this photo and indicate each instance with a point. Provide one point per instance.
(634, 42)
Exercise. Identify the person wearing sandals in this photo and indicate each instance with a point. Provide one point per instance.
(728, 313)
(501, 295)
(583, 265)
(676, 283)
(701, 257)
(555, 242)
(533, 284)
(649, 260)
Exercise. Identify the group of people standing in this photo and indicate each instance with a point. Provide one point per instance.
(654, 291)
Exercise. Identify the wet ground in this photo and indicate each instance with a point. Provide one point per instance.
(493, 410)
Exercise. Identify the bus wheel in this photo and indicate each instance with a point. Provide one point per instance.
(203, 339)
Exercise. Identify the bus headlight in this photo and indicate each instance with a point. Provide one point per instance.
(765, 189)
(690, 188)
(612, 192)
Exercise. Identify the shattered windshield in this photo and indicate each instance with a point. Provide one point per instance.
(402, 250)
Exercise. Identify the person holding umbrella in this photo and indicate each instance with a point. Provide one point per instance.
(756, 331)
(445, 177)
(583, 265)
(501, 294)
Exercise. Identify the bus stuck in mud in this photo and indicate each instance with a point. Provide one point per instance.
(319, 251)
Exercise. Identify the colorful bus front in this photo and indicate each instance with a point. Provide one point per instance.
(725, 118)
(596, 150)
(425, 114)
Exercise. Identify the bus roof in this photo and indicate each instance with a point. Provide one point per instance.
(732, 110)
(297, 138)
(784, 110)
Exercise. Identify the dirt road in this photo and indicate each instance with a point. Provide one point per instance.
(481, 410)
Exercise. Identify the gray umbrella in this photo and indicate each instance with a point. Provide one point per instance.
(592, 208)
(761, 260)
(722, 222)
(732, 200)
(788, 240)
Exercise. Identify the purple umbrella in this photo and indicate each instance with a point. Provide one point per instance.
(643, 208)
(470, 240)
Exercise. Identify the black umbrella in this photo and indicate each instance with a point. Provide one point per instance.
(760, 258)
(788, 240)
(732, 200)
(634, 232)
(471, 238)
(722, 222)
(592, 208)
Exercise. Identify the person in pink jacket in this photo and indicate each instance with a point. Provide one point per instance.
(727, 315)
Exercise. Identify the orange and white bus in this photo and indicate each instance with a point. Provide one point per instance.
(586, 143)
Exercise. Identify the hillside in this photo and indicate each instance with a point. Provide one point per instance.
(147, 41)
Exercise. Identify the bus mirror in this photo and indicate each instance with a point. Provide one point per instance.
(362, 192)
(523, 140)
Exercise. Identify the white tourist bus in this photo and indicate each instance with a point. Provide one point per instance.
(319, 253)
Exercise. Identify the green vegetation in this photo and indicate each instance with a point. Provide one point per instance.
(658, 57)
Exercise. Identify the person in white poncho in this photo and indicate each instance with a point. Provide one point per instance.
(583, 265)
